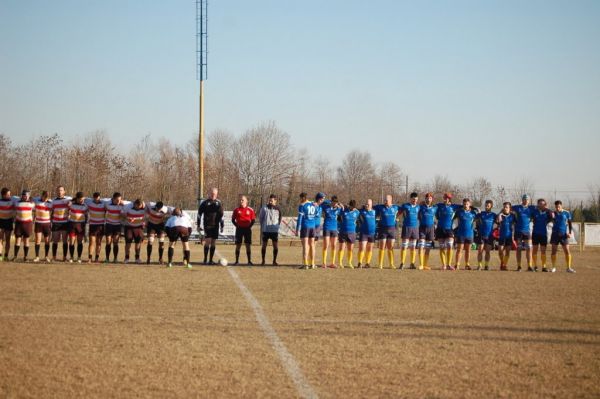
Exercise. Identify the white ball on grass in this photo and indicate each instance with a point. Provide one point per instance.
(223, 262)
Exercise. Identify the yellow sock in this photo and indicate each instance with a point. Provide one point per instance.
(426, 259)
(324, 256)
(443, 256)
(479, 263)
(422, 258)
(403, 255)
(519, 262)
(413, 256)
(486, 263)
(341, 257)
(361, 257)
(553, 260)
(569, 259)
(350, 257)
(380, 258)
(534, 260)
(391, 258)
(369, 256)
(449, 255)
(506, 260)
(543, 256)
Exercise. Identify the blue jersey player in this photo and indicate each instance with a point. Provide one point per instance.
(331, 213)
(410, 229)
(444, 233)
(541, 217)
(506, 222)
(484, 238)
(465, 234)
(367, 226)
(387, 214)
(523, 215)
(347, 234)
(427, 211)
(562, 231)
(308, 212)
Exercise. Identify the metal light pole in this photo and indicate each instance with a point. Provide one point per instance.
(201, 72)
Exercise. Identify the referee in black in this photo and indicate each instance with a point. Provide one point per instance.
(212, 209)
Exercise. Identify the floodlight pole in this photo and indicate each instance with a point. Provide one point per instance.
(201, 71)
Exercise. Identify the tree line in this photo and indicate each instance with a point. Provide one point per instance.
(260, 161)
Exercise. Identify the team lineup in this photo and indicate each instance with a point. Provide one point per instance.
(455, 227)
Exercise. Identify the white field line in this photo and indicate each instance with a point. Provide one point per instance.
(287, 360)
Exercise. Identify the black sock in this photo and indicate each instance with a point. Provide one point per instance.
(47, 249)
(37, 250)
(212, 252)
(206, 249)
(72, 250)
(115, 250)
(148, 251)
(170, 254)
(137, 254)
(79, 249)
(17, 247)
(65, 248)
(263, 253)
(186, 255)
(54, 249)
(107, 251)
(275, 252)
(161, 250)
(25, 251)
(249, 255)
(237, 255)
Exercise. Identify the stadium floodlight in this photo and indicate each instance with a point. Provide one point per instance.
(201, 74)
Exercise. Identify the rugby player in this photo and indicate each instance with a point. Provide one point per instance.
(465, 235)
(506, 222)
(523, 214)
(562, 231)
(243, 218)
(349, 217)
(156, 215)
(427, 212)
(112, 228)
(60, 222)
(23, 223)
(210, 217)
(7, 218)
(179, 226)
(387, 214)
(96, 220)
(42, 226)
(134, 216)
(541, 217)
(444, 232)
(410, 230)
(308, 212)
(484, 238)
(270, 220)
(331, 212)
(78, 214)
(367, 228)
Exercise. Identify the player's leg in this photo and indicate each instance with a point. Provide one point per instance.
(80, 237)
(421, 248)
(324, 248)
(18, 240)
(138, 240)
(459, 250)
(543, 249)
(238, 245)
(468, 255)
(527, 244)
(107, 246)
(207, 244)
(449, 248)
(390, 251)
(275, 242)
(150, 236)
(248, 243)
(369, 254)
(171, 249)
(92, 244)
(37, 243)
(186, 251)
(350, 250)
(98, 236)
(361, 251)
(72, 239)
(128, 241)
(340, 250)
(161, 246)
(403, 250)
(382, 249)
(568, 256)
(412, 246)
(311, 250)
(263, 248)
(488, 255)
(534, 252)
(2, 244)
(7, 234)
(115, 245)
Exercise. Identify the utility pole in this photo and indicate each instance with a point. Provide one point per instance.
(201, 72)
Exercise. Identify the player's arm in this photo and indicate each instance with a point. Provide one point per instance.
(253, 219)
(278, 214)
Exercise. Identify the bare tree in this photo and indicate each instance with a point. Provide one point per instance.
(479, 190)
(524, 186)
(356, 175)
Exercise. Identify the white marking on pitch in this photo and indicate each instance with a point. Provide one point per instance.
(287, 360)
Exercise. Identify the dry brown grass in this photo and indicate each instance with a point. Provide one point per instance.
(94, 330)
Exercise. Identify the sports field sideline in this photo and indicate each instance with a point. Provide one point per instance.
(136, 330)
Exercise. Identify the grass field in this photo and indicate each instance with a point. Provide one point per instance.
(136, 331)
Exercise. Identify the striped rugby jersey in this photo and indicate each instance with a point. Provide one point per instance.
(134, 217)
(96, 212)
(78, 213)
(156, 216)
(43, 210)
(7, 208)
(60, 210)
(113, 213)
(24, 211)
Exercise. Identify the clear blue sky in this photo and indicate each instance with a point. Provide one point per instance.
(493, 88)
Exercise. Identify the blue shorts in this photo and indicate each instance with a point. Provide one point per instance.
(347, 237)
(307, 232)
(522, 235)
(427, 233)
(387, 233)
(442, 234)
(558, 238)
(505, 242)
(330, 233)
(366, 237)
(540, 239)
(464, 239)
(410, 233)
(489, 240)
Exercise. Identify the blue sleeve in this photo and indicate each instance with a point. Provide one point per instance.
(300, 216)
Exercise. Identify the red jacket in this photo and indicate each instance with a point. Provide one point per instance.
(243, 217)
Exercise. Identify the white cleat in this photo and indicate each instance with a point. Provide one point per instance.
(570, 270)
(36, 259)
(553, 270)
(48, 260)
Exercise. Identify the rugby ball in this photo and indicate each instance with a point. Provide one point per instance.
(223, 262)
